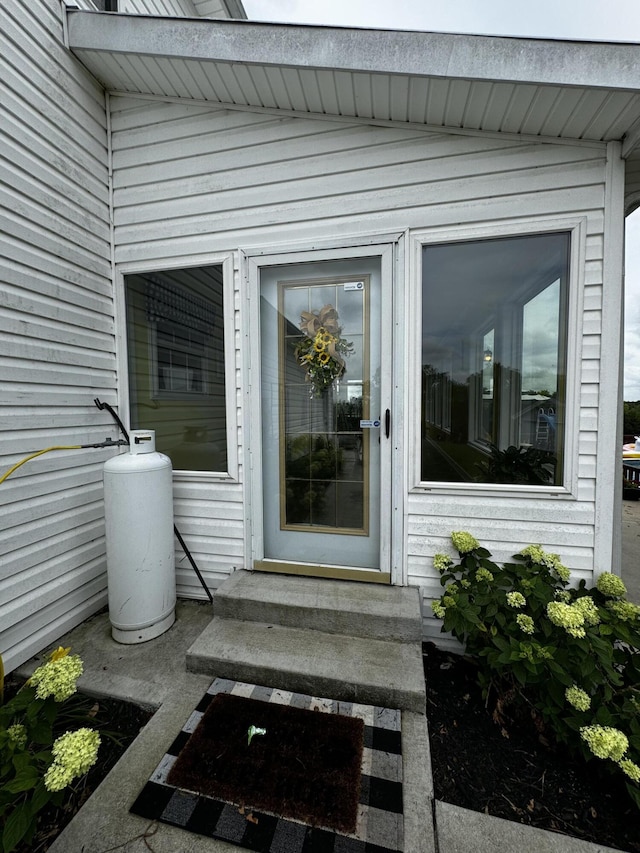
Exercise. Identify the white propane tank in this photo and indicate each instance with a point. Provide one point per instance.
(138, 508)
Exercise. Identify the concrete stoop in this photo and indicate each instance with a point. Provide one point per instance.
(343, 640)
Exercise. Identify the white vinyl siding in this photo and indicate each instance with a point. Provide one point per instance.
(175, 8)
(210, 518)
(232, 178)
(56, 333)
(210, 8)
(168, 8)
(191, 180)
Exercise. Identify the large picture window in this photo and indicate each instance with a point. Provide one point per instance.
(494, 342)
(175, 335)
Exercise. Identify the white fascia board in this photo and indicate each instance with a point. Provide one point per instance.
(602, 65)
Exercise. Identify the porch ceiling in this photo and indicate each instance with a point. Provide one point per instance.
(527, 87)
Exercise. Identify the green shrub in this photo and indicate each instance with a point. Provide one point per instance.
(36, 764)
(571, 653)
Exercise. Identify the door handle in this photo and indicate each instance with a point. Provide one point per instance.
(387, 422)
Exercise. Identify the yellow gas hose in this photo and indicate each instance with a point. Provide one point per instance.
(33, 456)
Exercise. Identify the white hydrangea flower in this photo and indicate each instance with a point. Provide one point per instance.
(589, 609)
(630, 768)
(611, 585)
(74, 753)
(567, 616)
(605, 741)
(525, 623)
(18, 735)
(577, 697)
(464, 542)
(57, 677)
(442, 562)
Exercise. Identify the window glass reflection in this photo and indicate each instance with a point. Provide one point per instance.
(494, 360)
(175, 351)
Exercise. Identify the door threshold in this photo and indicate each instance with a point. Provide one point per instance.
(318, 571)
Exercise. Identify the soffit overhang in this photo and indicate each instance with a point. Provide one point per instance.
(549, 89)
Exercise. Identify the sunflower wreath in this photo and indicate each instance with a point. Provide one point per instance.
(322, 350)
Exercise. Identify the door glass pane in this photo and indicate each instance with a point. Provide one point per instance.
(321, 406)
(494, 342)
(321, 467)
(175, 350)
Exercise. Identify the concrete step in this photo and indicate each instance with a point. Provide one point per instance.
(355, 669)
(332, 607)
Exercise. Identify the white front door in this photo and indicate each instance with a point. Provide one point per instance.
(325, 374)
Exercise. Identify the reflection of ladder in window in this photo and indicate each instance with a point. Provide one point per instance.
(543, 430)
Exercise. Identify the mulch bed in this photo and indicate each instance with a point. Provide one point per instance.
(305, 766)
(508, 770)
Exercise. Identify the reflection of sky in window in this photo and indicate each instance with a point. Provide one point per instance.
(348, 303)
(296, 300)
(350, 311)
(350, 307)
(540, 340)
(354, 366)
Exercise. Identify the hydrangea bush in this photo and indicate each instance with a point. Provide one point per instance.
(35, 765)
(571, 653)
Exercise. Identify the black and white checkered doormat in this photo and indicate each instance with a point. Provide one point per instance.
(379, 827)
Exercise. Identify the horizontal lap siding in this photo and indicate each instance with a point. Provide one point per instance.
(166, 8)
(175, 8)
(232, 179)
(56, 333)
(210, 8)
(210, 519)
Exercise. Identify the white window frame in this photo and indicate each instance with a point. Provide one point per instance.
(226, 260)
(577, 228)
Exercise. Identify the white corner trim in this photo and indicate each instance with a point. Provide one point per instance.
(608, 511)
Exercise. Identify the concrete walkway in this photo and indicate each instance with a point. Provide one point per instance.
(153, 674)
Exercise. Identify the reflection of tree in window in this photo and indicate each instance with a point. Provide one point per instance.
(494, 341)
